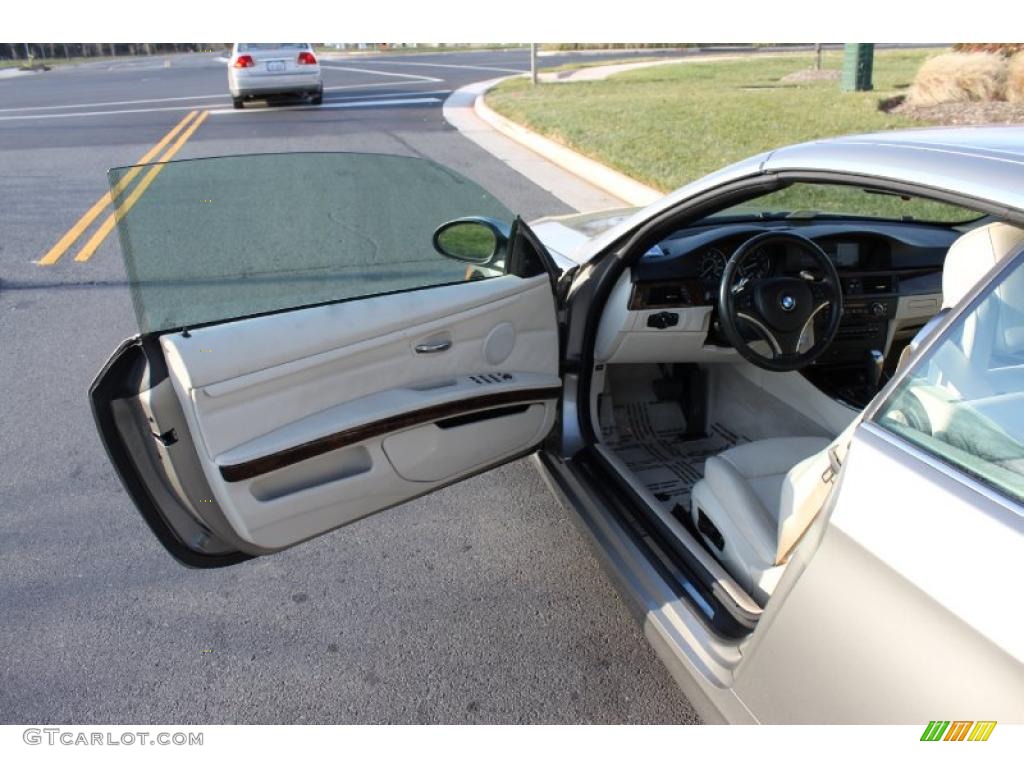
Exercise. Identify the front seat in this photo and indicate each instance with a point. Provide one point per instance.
(750, 496)
(757, 499)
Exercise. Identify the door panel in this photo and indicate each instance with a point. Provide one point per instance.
(260, 384)
(298, 417)
(310, 354)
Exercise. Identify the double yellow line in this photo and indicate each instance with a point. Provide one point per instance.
(183, 130)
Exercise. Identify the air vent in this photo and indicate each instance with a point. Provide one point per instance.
(879, 284)
(869, 285)
(491, 378)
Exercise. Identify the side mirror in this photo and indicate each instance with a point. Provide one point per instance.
(474, 239)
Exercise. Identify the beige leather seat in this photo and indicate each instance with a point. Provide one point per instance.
(996, 328)
(749, 494)
(973, 254)
(760, 497)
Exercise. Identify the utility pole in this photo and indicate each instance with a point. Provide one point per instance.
(817, 56)
(533, 63)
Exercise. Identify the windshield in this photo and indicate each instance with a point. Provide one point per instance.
(804, 200)
(227, 237)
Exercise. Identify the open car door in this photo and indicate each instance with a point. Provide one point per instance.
(306, 355)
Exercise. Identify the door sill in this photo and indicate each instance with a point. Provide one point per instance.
(724, 608)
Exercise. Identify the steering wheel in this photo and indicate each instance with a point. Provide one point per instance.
(780, 310)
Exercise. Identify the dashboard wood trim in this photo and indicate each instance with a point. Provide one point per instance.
(639, 296)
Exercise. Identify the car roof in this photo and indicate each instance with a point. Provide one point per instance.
(1002, 142)
(983, 162)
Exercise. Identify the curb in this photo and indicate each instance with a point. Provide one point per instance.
(611, 181)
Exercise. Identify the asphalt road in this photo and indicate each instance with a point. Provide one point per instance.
(480, 603)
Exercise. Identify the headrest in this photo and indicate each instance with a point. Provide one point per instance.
(973, 254)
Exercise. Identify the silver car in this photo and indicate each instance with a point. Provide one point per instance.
(786, 401)
(261, 70)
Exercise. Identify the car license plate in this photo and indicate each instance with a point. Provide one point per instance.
(275, 66)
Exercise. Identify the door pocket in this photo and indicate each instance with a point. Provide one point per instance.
(434, 452)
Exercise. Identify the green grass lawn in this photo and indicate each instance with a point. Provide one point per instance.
(671, 124)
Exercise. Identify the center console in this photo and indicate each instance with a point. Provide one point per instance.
(850, 369)
(869, 302)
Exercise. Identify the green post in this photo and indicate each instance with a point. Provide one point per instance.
(858, 62)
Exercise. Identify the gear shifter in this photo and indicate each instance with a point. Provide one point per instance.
(875, 364)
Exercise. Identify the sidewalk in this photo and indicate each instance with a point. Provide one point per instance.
(461, 110)
(603, 71)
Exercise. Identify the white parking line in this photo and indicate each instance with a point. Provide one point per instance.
(112, 103)
(106, 112)
(374, 85)
(400, 95)
(329, 105)
(386, 74)
(189, 107)
(450, 66)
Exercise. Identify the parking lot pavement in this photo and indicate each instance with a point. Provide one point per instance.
(481, 602)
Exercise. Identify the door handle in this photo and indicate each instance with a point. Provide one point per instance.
(433, 346)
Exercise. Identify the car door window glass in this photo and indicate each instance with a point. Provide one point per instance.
(964, 400)
(228, 237)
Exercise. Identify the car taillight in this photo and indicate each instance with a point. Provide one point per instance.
(244, 61)
(307, 58)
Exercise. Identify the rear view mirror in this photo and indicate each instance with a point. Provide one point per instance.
(474, 239)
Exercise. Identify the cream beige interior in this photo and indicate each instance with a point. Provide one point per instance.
(257, 386)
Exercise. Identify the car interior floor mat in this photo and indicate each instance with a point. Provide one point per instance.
(652, 438)
(668, 465)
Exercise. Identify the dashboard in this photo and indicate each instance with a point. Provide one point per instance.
(686, 269)
(664, 310)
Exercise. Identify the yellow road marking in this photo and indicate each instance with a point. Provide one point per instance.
(54, 254)
(105, 228)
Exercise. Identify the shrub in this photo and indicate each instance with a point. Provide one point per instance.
(1015, 79)
(959, 77)
(1003, 49)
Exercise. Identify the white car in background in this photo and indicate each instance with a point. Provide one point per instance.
(259, 70)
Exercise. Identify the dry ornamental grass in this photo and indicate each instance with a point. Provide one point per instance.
(1015, 79)
(955, 77)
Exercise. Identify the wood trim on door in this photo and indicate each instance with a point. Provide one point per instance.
(247, 470)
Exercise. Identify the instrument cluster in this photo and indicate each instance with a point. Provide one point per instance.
(756, 266)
